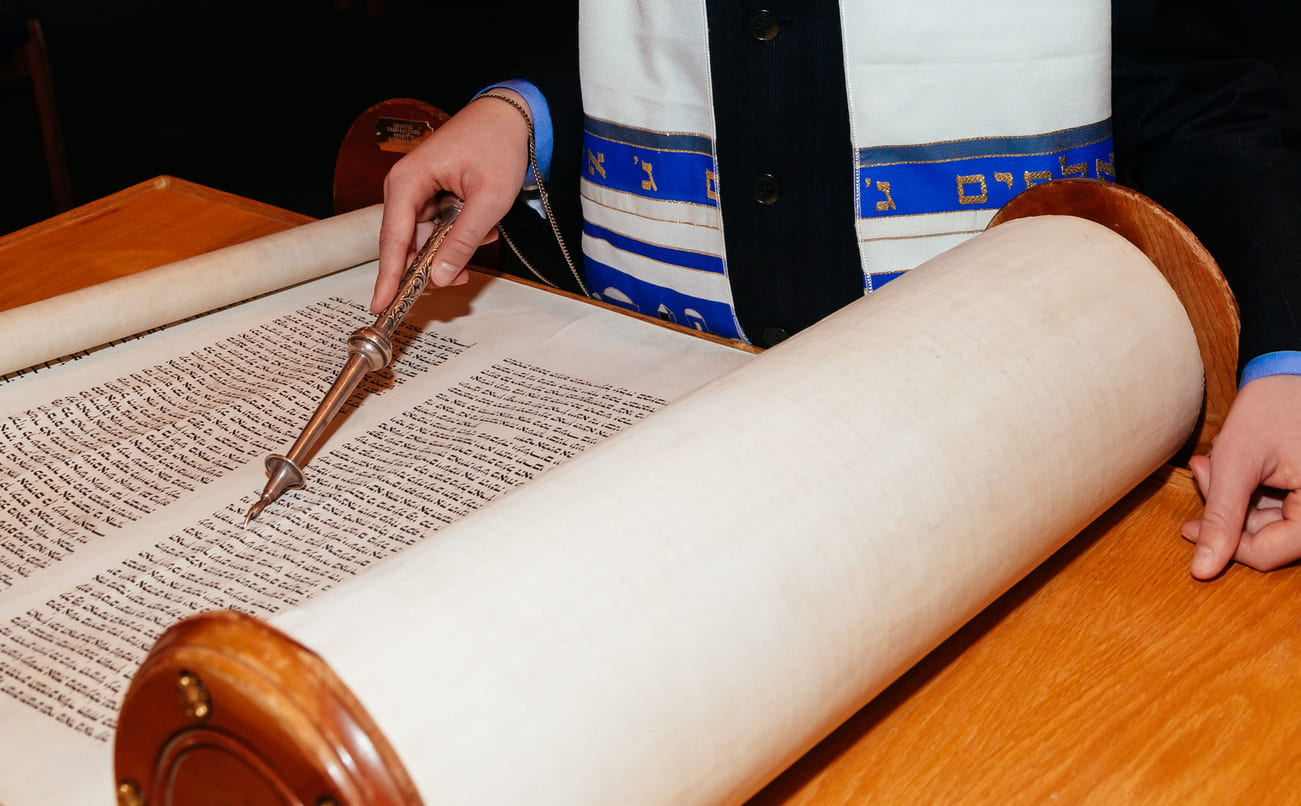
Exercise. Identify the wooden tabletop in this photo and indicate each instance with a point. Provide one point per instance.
(1108, 676)
(147, 225)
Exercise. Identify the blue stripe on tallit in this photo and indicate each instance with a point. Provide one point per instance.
(873, 282)
(662, 254)
(656, 165)
(662, 141)
(613, 286)
(978, 174)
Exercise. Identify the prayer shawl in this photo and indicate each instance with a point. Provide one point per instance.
(954, 108)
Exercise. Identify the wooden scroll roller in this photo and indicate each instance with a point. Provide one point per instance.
(1187, 266)
(681, 612)
(377, 139)
(228, 710)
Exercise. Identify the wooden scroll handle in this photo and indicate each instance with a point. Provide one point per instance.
(226, 709)
(379, 138)
(1187, 266)
(376, 140)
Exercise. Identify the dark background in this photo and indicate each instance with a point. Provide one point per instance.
(248, 97)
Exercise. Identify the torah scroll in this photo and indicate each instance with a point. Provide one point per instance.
(99, 314)
(678, 614)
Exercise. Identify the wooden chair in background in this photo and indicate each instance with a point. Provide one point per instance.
(23, 58)
(375, 141)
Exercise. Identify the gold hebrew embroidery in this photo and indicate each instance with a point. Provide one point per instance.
(649, 182)
(1078, 169)
(1033, 178)
(1108, 167)
(595, 163)
(967, 179)
(888, 204)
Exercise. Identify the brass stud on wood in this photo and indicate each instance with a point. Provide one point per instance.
(128, 794)
(194, 697)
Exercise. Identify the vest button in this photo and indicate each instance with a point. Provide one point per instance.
(763, 26)
(772, 336)
(766, 189)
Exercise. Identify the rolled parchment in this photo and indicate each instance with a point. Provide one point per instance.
(679, 613)
(96, 315)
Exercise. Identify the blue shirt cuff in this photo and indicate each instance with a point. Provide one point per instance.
(1283, 362)
(543, 134)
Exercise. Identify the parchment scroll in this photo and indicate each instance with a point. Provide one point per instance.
(84, 319)
(680, 613)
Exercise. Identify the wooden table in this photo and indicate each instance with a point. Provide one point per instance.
(1107, 676)
(146, 225)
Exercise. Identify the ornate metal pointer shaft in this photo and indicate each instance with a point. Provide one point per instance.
(369, 349)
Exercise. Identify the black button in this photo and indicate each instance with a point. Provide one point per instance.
(772, 336)
(763, 26)
(766, 189)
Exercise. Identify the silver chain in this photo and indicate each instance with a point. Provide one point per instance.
(542, 194)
